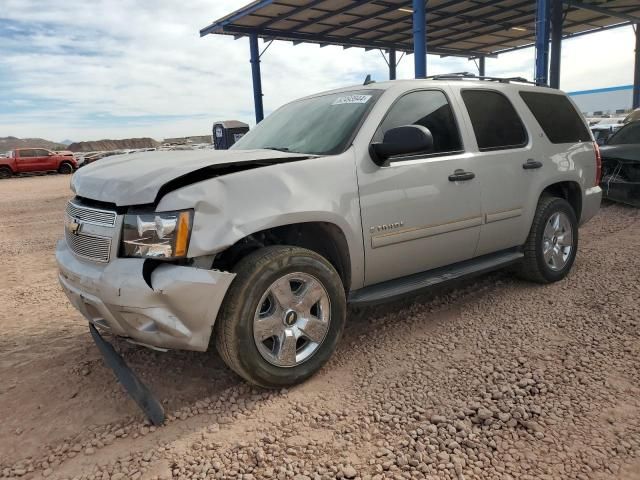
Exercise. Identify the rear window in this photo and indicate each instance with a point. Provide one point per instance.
(495, 122)
(557, 117)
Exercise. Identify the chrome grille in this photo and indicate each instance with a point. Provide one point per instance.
(91, 215)
(93, 248)
(89, 231)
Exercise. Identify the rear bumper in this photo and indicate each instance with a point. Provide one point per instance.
(176, 310)
(590, 204)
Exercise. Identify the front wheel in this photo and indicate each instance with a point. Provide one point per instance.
(282, 316)
(552, 244)
(65, 168)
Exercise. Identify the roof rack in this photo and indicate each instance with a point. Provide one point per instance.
(471, 76)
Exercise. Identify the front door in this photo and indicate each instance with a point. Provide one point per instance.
(419, 213)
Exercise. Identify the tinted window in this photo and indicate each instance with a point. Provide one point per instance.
(27, 153)
(41, 153)
(557, 117)
(429, 109)
(495, 121)
(630, 133)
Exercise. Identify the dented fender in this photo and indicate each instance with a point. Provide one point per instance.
(231, 207)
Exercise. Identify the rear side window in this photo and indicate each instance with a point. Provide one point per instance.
(630, 133)
(495, 122)
(557, 117)
(27, 153)
(430, 109)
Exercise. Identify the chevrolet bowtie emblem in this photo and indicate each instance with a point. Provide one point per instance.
(74, 227)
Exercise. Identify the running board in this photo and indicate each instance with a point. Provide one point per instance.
(385, 291)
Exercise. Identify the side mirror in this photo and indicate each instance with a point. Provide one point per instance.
(403, 140)
(50, 154)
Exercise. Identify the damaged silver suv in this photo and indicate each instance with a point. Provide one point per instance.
(357, 196)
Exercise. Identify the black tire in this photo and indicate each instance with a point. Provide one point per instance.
(65, 168)
(234, 326)
(534, 267)
(5, 172)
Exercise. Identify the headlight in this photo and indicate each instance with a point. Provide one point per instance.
(157, 235)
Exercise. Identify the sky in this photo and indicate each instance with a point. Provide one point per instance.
(88, 70)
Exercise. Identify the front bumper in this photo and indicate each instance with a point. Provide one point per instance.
(590, 204)
(175, 310)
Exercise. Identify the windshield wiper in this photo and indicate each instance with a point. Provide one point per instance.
(277, 149)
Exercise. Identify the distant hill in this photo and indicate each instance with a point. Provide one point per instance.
(66, 142)
(9, 143)
(105, 145)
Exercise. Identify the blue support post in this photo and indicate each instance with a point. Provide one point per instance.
(543, 21)
(255, 73)
(481, 66)
(392, 64)
(556, 43)
(420, 38)
(636, 74)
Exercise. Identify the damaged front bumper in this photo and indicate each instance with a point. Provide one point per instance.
(176, 309)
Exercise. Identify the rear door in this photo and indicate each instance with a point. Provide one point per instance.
(26, 160)
(415, 215)
(507, 166)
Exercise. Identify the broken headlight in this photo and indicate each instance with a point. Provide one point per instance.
(162, 235)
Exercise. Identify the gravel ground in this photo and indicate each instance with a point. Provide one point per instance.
(497, 379)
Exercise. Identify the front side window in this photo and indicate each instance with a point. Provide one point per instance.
(41, 153)
(630, 133)
(495, 122)
(558, 118)
(430, 109)
(321, 125)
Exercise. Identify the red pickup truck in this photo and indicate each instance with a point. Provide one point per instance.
(22, 160)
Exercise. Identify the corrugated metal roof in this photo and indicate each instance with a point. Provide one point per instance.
(454, 27)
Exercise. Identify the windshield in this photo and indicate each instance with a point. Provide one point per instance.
(320, 125)
(630, 133)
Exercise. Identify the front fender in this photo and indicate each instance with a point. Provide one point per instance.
(231, 207)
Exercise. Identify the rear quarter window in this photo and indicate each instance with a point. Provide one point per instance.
(560, 121)
(495, 122)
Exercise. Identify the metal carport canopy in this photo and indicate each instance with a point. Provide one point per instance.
(467, 28)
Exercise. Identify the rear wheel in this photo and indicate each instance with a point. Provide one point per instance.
(5, 172)
(65, 168)
(552, 244)
(282, 316)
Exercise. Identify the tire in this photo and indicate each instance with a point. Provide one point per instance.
(556, 264)
(273, 362)
(5, 172)
(65, 168)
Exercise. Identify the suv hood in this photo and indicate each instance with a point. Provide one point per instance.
(142, 178)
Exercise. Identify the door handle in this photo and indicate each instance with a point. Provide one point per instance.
(461, 176)
(531, 164)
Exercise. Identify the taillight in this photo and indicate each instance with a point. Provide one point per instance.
(598, 163)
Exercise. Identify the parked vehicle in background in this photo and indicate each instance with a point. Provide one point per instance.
(632, 117)
(26, 160)
(621, 165)
(602, 131)
(356, 195)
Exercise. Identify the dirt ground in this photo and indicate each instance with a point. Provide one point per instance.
(497, 379)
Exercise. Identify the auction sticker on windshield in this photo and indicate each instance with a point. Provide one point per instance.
(351, 99)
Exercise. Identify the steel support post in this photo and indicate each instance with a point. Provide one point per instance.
(392, 64)
(420, 38)
(257, 79)
(556, 43)
(543, 20)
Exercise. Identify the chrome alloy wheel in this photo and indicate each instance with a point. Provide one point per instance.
(292, 319)
(557, 241)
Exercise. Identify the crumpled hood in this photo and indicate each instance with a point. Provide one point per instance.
(630, 151)
(139, 178)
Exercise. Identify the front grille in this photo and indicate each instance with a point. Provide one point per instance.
(91, 215)
(89, 231)
(93, 248)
